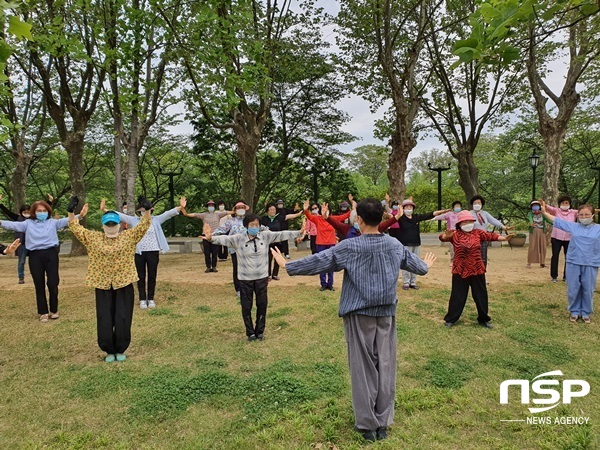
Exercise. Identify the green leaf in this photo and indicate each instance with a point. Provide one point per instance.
(5, 51)
(22, 30)
(471, 43)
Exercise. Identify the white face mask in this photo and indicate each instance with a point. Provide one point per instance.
(565, 207)
(211, 209)
(467, 227)
(111, 232)
(26, 215)
(586, 220)
(408, 212)
(240, 212)
(315, 211)
(477, 207)
(221, 207)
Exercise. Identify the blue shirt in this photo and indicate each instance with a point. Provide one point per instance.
(157, 222)
(584, 248)
(371, 264)
(38, 235)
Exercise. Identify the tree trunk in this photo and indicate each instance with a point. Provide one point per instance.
(18, 181)
(248, 132)
(132, 162)
(468, 174)
(553, 143)
(74, 147)
(118, 170)
(401, 148)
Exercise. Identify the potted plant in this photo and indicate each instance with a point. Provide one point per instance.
(518, 240)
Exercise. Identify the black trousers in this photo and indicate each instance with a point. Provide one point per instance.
(247, 290)
(285, 247)
(459, 293)
(557, 244)
(236, 281)
(223, 252)
(43, 265)
(484, 250)
(275, 271)
(147, 263)
(114, 312)
(313, 244)
(210, 254)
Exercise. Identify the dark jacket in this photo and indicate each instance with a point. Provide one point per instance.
(277, 223)
(410, 231)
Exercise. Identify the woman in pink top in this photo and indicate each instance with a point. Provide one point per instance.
(451, 218)
(558, 238)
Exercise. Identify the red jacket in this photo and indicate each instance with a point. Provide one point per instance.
(325, 232)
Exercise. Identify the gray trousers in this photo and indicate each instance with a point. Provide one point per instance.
(409, 277)
(372, 360)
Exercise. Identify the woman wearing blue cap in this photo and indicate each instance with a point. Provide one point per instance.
(111, 270)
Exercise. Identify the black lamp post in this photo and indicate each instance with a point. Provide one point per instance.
(597, 169)
(172, 195)
(534, 161)
(439, 171)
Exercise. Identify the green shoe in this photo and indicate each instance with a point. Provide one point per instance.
(109, 358)
(121, 357)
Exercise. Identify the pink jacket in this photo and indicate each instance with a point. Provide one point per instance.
(450, 217)
(311, 228)
(569, 215)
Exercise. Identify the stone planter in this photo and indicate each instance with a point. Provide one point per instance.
(517, 241)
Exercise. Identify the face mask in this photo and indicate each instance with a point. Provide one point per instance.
(343, 208)
(42, 216)
(253, 231)
(221, 207)
(211, 209)
(26, 215)
(408, 212)
(395, 207)
(315, 211)
(356, 227)
(241, 212)
(111, 232)
(280, 206)
(565, 207)
(535, 208)
(468, 227)
(477, 207)
(457, 209)
(586, 220)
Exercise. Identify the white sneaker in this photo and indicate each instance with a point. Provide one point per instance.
(143, 304)
(287, 256)
(237, 294)
(151, 304)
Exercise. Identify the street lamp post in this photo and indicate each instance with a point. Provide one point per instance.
(597, 169)
(439, 171)
(172, 194)
(534, 161)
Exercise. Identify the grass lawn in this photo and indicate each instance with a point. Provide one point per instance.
(191, 381)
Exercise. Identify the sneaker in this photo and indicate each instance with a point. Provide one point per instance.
(109, 358)
(222, 260)
(214, 269)
(151, 304)
(381, 433)
(260, 337)
(554, 280)
(487, 325)
(331, 288)
(208, 270)
(251, 338)
(573, 319)
(586, 320)
(53, 316)
(143, 304)
(287, 256)
(121, 357)
(449, 324)
(405, 287)
(21, 281)
(323, 288)
(44, 318)
(369, 436)
(414, 286)
(275, 278)
(237, 294)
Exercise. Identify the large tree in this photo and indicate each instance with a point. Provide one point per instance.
(381, 42)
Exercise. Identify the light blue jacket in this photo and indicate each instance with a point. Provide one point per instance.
(38, 235)
(157, 221)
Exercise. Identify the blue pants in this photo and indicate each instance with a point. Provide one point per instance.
(326, 278)
(21, 263)
(581, 282)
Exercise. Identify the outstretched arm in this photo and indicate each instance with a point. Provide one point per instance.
(10, 250)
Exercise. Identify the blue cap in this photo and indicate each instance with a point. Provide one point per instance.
(110, 216)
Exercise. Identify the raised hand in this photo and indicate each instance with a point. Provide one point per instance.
(296, 206)
(103, 205)
(278, 257)
(306, 204)
(10, 250)
(350, 198)
(182, 202)
(429, 259)
(387, 199)
(83, 211)
(73, 204)
(49, 197)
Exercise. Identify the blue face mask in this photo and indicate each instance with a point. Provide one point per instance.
(457, 209)
(211, 209)
(41, 216)
(535, 208)
(395, 207)
(253, 231)
(356, 227)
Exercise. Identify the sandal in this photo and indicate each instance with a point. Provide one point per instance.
(44, 318)
(587, 320)
(573, 319)
(54, 316)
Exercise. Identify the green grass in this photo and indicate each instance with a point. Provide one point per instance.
(191, 380)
